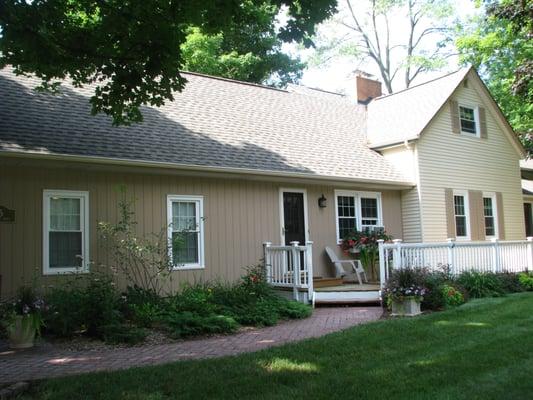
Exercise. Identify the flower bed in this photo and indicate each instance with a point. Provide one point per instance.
(439, 289)
(91, 306)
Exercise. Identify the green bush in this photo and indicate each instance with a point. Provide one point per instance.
(293, 309)
(510, 282)
(526, 280)
(65, 314)
(481, 284)
(183, 324)
(452, 296)
(83, 304)
(122, 333)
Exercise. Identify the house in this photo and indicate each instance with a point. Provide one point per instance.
(249, 164)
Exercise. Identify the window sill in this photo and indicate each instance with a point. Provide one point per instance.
(188, 267)
(66, 271)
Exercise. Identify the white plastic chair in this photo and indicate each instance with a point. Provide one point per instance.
(341, 272)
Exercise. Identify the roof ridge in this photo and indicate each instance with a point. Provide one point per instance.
(420, 84)
(220, 78)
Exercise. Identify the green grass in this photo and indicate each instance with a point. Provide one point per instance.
(481, 350)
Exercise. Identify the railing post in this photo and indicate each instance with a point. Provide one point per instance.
(268, 261)
(381, 253)
(529, 253)
(397, 254)
(295, 270)
(451, 254)
(309, 255)
(495, 255)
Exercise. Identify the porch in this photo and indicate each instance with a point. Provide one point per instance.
(290, 268)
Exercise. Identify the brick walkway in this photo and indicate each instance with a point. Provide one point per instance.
(47, 362)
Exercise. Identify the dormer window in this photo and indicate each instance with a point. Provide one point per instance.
(469, 123)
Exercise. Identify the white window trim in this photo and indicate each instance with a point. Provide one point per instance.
(476, 120)
(463, 193)
(199, 220)
(492, 195)
(358, 217)
(84, 227)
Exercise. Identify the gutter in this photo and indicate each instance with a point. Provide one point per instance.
(389, 145)
(201, 168)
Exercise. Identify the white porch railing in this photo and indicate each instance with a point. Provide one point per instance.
(290, 266)
(495, 256)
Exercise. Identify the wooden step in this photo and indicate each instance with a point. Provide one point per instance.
(325, 282)
(322, 297)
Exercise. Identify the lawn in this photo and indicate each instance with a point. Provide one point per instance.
(481, 350)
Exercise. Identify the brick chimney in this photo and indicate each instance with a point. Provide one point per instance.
(367, 89)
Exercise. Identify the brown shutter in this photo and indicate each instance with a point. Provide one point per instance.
(454, 112)
(499, 211)
(477, 220)
(450, 213)
(482, 123)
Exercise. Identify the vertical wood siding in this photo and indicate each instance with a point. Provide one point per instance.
(239, 216)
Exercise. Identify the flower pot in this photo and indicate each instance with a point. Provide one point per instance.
(409, 307)
(22, 332)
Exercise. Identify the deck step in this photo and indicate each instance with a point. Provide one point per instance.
(323, 297)
(325, 282)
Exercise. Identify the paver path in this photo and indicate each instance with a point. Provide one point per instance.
(47, 362)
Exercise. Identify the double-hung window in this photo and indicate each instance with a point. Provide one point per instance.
(185, 231)
(65, 231)
(460, 203)
(356, 211)
(469, 120)
(489, 214)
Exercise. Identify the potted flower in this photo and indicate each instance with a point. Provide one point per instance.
(365, 244)
(405, 291)
(23, 318)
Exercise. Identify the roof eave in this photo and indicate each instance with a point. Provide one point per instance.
(393, 184)
(391, 144)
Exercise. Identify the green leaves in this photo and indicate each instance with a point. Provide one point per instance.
(129, 51)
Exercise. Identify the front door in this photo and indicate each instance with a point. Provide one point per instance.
(294, 224)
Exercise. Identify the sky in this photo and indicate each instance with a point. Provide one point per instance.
(339, 75)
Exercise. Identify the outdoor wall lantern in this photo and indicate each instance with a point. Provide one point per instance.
(322, 201)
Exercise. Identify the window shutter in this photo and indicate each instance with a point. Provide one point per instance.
(450, 213)
(454, 112)
(477, 220)
(482, 123)
(499, 211)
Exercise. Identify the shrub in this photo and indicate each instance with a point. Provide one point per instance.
(293, 309)
(101, 304)
(481, 284)
(526, 280)
(65, 314)
(183, 324)
(121, 333)
(84, 304)
(452, 296)
(510, 282)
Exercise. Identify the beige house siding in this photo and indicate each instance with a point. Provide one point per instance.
(239, 216)
(455, 161)
(404, 158)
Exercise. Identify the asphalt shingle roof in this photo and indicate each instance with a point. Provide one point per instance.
(404, 115)
(213, 123)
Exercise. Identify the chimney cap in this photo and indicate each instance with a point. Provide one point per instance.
(360, 72)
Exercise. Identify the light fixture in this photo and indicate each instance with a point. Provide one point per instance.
(322, 201)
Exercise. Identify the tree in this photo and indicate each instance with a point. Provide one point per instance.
(130, 50)
(410, 49)
(500, 44)
(249, 50)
